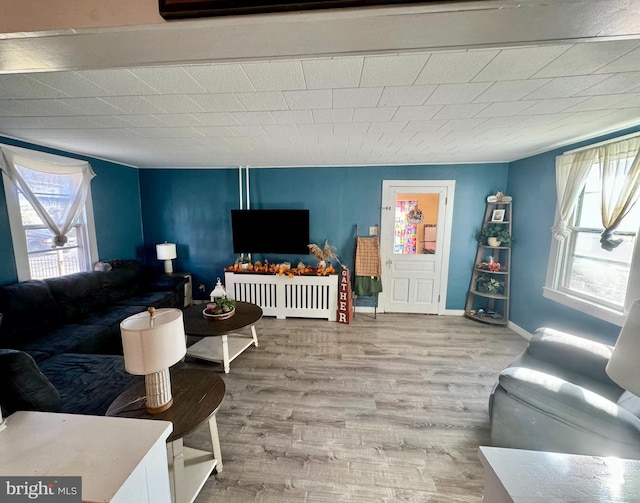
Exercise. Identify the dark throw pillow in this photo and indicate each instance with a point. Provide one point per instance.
(22, 385)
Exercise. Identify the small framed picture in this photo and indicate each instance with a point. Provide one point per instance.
(497, 216)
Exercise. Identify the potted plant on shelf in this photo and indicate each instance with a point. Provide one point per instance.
(489, 284)
(490, 265)
(495, 235)
(243, 262)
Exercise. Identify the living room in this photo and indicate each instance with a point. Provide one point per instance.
(140, 203)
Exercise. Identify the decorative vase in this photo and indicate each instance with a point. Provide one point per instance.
(493, 242)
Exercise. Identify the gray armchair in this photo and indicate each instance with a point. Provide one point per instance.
(556, 396)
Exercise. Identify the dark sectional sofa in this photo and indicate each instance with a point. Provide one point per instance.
(60, 337)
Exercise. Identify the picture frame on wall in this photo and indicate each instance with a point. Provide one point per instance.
(497, 216)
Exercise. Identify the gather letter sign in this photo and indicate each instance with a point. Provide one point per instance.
(345, 299)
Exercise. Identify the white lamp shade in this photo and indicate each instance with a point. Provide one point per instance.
(152, 344)
(624, 364)
(166, 251)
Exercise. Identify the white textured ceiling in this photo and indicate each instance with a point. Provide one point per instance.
(475, 105)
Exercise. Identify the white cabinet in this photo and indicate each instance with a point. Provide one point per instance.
(120, 460)
(282, 297)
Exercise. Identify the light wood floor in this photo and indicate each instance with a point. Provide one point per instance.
(386, 410)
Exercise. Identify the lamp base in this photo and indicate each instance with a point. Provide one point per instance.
(158, 410)
(158, 387)
(168, 266)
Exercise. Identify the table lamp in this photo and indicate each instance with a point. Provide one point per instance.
(152, 342)
(167, 252)
(623, 365)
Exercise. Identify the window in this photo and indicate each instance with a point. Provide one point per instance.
(54, 186)
(54, 193)
(581, 273)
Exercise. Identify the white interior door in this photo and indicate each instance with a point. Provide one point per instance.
(415, 239)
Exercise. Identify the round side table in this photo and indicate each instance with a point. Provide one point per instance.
(197, 395)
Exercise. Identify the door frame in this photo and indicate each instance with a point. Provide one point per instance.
(385, 206)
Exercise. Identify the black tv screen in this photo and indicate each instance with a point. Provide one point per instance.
(270, 231)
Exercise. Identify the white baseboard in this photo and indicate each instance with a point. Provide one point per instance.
(520, 331)
(447, 312)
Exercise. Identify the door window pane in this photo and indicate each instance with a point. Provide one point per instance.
(405, 233)
(415, 230)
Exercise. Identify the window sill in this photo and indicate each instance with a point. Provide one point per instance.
(590, 308)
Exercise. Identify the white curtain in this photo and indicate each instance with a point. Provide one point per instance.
(571, 175)
(14, 161)
(620, 168)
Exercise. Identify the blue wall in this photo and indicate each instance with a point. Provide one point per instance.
(531, 182)
(192, 208)
(116, 206)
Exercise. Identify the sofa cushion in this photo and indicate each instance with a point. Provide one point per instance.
(78, 294)
(111, 317)
(22, 385)
(28, 309)
(38, 356)
(88, 384)
(123, 280)
(571, 352)
(570, 404)
(72, 338)
(630, 402)
(151, 299)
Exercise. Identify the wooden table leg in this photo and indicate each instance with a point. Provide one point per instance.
(215, 443)
(175, 457)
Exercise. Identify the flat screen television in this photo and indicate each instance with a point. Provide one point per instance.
(270, 231)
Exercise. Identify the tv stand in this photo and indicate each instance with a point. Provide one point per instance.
(284, 297)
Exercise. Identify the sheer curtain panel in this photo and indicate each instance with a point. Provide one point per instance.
(620, 167)
(571, 174)
(22, 167)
